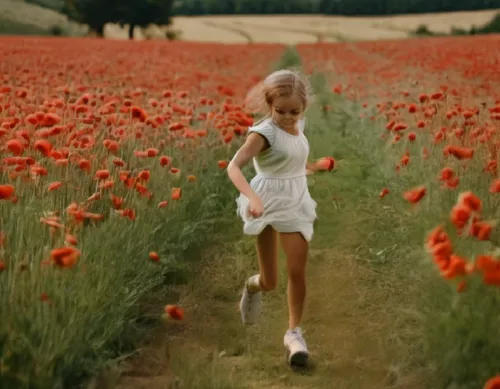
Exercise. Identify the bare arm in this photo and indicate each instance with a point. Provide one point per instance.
(252, 147)
(311, 166)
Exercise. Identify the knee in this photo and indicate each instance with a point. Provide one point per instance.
(296, 275)
(268, 284)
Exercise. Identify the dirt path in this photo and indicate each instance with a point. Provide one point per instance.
(347, 322)
(353, 322)
(213, 350)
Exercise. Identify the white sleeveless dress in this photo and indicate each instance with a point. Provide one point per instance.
(281, 183)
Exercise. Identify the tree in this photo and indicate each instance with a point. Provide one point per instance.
(96, 13)
(144, 12)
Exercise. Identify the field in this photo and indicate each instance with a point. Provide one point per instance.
(258, 29)
(311, 29)
(115, 204)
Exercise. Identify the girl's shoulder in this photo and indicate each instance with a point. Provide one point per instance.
(263, 124)
(266, 129)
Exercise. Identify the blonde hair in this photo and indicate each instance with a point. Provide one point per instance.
(281, 83)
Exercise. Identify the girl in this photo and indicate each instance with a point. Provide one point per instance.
(277, 201)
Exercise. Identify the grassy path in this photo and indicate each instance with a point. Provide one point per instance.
(344, 321)
(352, 321)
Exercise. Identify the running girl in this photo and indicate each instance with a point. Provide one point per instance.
(277, 202)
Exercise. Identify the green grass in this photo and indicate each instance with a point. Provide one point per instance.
(93, 314)
(63, 326)
(407, 327)
(378, 314)
(350, 308)
(446, 334)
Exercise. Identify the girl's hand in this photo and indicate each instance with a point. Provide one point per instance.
(255, 206)
(325, 164)
(321, 165)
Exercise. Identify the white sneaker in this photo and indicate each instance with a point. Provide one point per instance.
(296, 347)
(250, 304)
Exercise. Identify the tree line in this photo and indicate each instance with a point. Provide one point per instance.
(96, 13)
(329, 7)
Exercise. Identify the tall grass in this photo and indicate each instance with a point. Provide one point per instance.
(60, 323)
(451, 338)
(86, 309)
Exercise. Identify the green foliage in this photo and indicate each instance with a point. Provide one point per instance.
(447, 333)
(92, 308)
(452, 339)
(341, 7)
(460, 330)
(290, 59)
(492, 27)
(96, 13)
(57, 30)
(173, 35)
(423, 30)
(144, 12)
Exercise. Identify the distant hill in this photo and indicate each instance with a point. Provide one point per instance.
(10, 27)
(19, 17)
(56, 5)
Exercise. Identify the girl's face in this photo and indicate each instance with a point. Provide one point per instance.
(287, 111)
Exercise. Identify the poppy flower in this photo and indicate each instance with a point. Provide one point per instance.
(175, 312)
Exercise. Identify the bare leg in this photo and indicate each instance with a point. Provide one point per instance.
(296, 250)
(266, 280)
(267, 250)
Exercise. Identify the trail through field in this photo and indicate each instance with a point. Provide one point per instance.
(346, 327)
(351, 322)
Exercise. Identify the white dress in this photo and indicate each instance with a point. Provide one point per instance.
(281, 183)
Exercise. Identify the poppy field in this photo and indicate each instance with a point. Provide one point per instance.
(432, 107)
(113, 160)
(113, 174)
